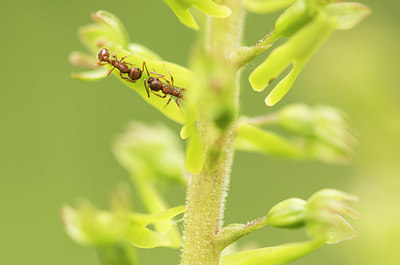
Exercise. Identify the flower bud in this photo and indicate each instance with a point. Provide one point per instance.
(287, 214)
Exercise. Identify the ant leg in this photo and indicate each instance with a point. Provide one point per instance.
(109, 73)
(126, 78)
(172, 79)
(147, 70)
(169, 100)
(177, 103)
(123, 58)
(98, 64)
(146, 87)
(158, 95)
(161, 76)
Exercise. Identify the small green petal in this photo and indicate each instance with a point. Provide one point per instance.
(82, 59)
(93, 75)
(283, 86)
(267, 6)
(110, 20)
(348, 15)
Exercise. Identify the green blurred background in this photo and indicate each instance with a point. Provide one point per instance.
(55, 132)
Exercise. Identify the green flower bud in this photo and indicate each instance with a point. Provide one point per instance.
(297, 118)
(287, 214)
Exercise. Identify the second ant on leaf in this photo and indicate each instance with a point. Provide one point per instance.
(155, 85)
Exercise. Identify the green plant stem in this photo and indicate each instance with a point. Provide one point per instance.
(207, 191)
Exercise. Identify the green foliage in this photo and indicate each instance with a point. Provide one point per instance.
(319, 132)
(309, 23)
(109, 32)
(211, 123)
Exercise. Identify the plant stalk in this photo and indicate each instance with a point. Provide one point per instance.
(207, 191)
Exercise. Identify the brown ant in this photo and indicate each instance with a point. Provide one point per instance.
(134, 73)
(155, 84)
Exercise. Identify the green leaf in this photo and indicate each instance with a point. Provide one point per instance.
(143, 51)
(250, 138)
(297, 51)
(93, 75)
(272, 255)
(348, 15)
(267, 6)
(181, 10)
(183, 78)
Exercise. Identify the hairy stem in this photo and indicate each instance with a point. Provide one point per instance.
(207, 191)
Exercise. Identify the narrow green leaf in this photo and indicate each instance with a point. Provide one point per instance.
(348, 15)
(272, 255)
(93, 75)
(250, 138)
(116, 26)
(194, 152)
(267, 6)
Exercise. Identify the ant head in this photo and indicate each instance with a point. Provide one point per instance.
(154, 83)
(103, 55)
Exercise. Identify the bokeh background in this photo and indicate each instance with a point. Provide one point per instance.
(55, 132)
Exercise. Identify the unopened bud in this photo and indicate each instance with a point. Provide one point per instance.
(287, 214)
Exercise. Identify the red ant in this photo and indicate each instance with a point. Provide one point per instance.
(134, 73)
(155, 84)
